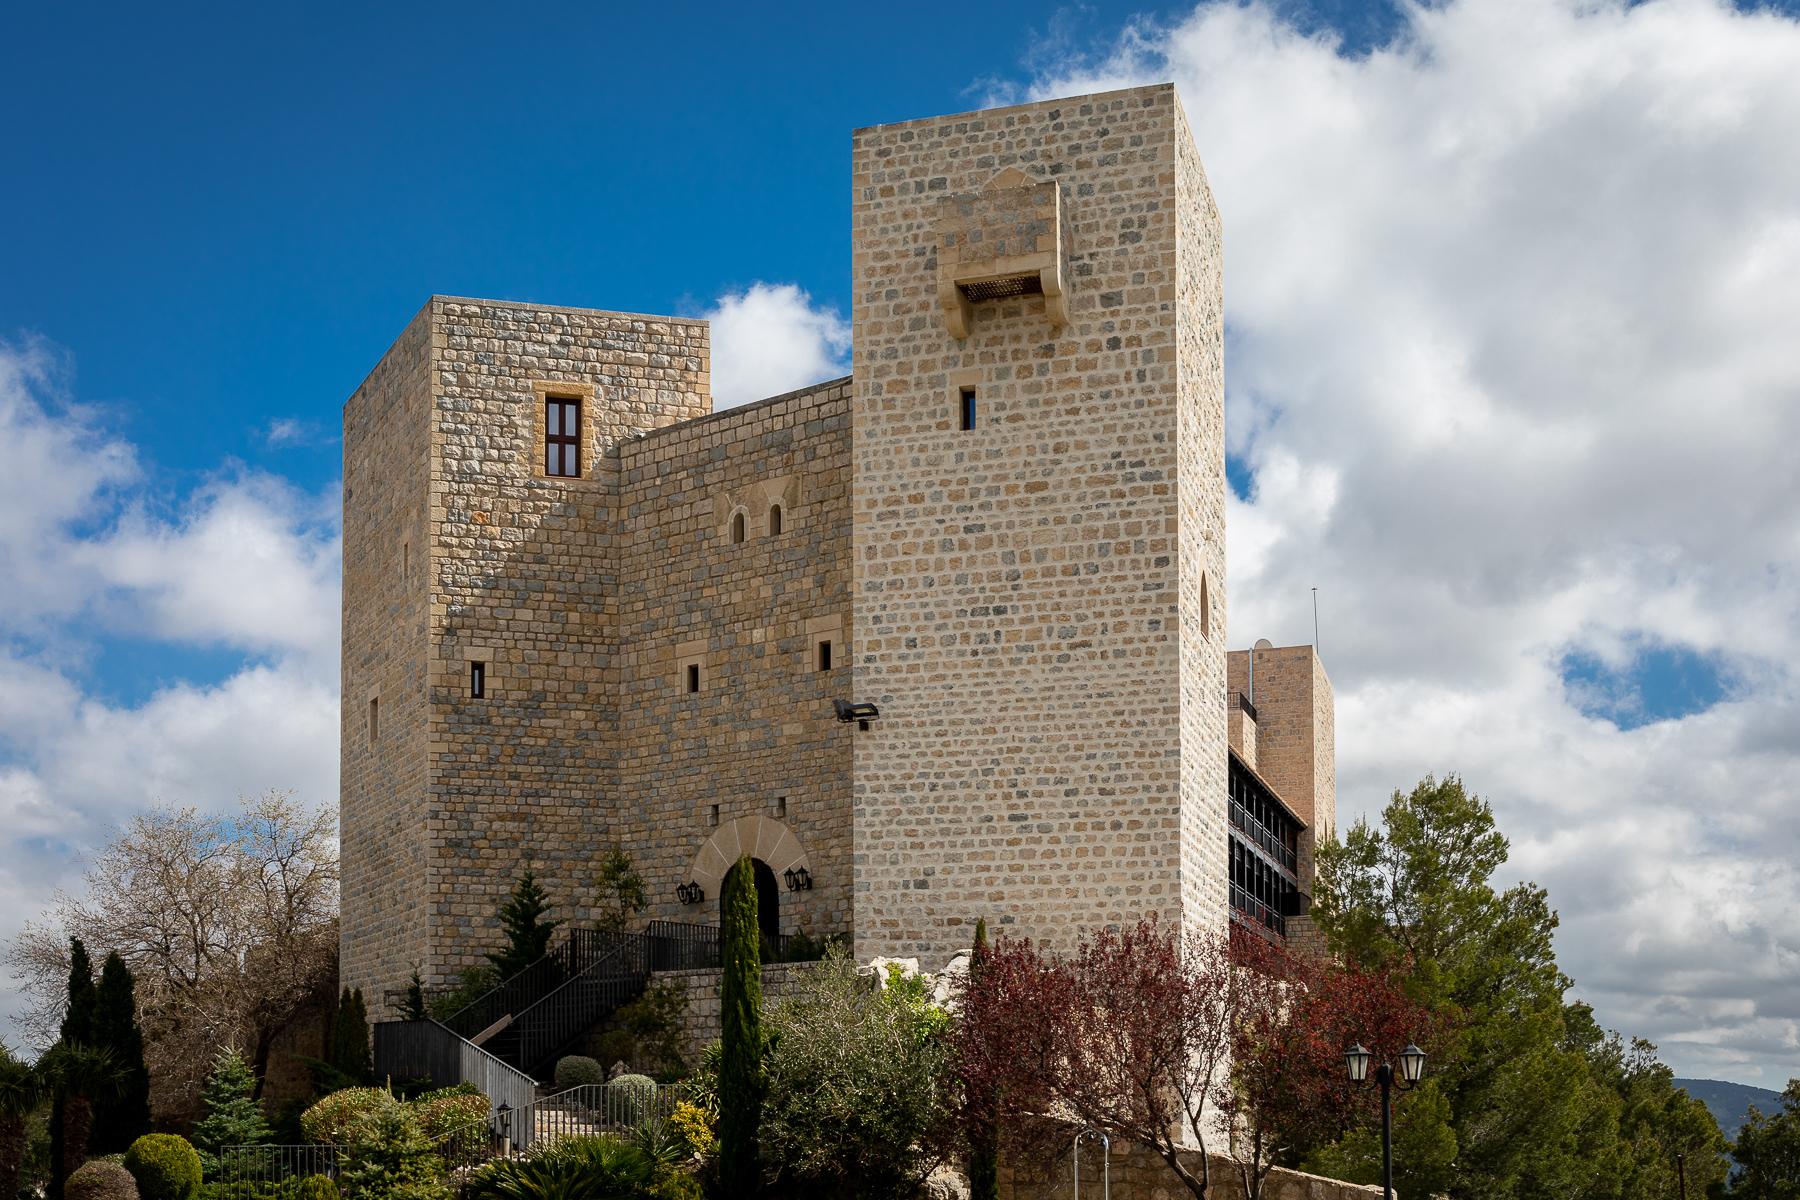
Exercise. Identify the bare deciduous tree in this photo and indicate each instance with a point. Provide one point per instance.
(228, 922)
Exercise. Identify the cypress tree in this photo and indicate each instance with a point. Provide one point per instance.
(77, 1029)
(233, 1117)
(527, 932)
(984, 1135)
(78, 1017)
(350, 1037)
(120, 1121)
(740, 1066)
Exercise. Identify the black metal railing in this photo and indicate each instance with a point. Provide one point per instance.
(679, 946)
(535, 1034)
(1248, 908)
(1261, 836)
(579, 950)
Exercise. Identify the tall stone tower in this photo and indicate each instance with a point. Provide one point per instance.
(1038, 524)
(481, 653)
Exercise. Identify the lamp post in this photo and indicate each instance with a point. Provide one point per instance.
(1412, 1066)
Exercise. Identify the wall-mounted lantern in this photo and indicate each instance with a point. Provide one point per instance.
(689, 892)
(798, 880)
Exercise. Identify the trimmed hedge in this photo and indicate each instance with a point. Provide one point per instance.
(100, 1180)
(577, 1071)
(630, 1097)
(166, 1167)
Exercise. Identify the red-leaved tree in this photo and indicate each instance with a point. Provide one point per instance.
(1289, 1085)
(1218, 1041)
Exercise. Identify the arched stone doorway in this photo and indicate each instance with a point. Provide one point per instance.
(768, 843)
(768, 904)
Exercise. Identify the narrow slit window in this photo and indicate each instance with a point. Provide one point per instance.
(737, 527)
(406, 562)
(967, 404)
(774, 520)
(713, 817)
(693, 677)
(562, 436)
(374, 721)
(477, 680)
(825, 656)
(781, 806)
(1205, 608)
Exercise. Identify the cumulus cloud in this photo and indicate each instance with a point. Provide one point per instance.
(1511, 365)
(771, 338)
(245, 564)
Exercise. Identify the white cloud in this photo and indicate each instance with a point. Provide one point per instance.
(1510, 308)
(771, 339)
(245, 563)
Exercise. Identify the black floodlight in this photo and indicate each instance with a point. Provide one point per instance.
(862, 713)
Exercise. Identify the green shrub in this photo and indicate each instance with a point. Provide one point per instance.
(100, 1180)
(472, 983)
(441, 1115)
(577, 1071)
(630, 1099)
(581, 1168)
(166, 1167)
(317, 1187)
(741, 1073)
(333, 1120)
(855, 1100)
(455, 1089)
(388, 1157)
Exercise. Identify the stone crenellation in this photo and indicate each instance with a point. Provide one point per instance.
(584, 610)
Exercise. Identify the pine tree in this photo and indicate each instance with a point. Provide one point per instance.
(527, 932)
(350, 1038)
(740, 1066)
(233, 1118)
(121, 1121)
(984, 1135)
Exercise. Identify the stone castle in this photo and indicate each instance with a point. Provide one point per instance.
(583, 610)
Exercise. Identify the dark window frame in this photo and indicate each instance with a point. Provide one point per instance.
(966, 407)
(691, 678)
(477, 680)
(824, 659)
(568, 409)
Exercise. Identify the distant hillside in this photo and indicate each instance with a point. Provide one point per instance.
(1730, 1102)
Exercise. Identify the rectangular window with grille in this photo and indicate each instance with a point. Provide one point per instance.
(562, 436)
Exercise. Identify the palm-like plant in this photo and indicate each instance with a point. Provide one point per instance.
(20, 1093)
(80, 1074)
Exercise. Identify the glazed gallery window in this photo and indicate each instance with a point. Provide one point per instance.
(562, 436)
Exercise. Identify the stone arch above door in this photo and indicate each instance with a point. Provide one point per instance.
(759, 837)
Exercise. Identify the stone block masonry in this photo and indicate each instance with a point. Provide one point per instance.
(582, 610)
(1039, 599)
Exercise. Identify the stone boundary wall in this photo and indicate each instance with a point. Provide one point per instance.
(701, 1028)
(1138, 1174)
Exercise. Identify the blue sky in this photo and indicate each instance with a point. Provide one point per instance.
(1508, 365)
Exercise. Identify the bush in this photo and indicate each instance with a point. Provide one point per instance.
(630, 1099)
(166, 1167)
(333, 1120)
(472, 983)
(317, 1187)
(592, 1168)
(441, 1115)
(388, 1157)
(694, 1125)
(100, 1180)
(577, 1071)
(856, 1102)
(455, 1089)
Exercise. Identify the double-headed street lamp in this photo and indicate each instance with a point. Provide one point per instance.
(1412, 1066)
